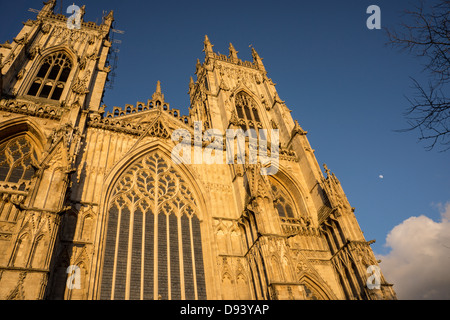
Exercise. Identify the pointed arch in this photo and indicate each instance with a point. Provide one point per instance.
(151, 206)
(165, 151)
(38, 252)
(60, 48)
(248, 111)
(236, 240)
(51, 74)
(315, 288)
(221, 238)
(82, 258)
(243, 286)
(243, 88)
(21, 148)
(22, 250)
(17, 161)
(23, 125)
(293, 193)
(80, 293)
(86, 226)
(276, 270)
(227, 286)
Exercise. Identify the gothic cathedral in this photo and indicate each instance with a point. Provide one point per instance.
(93, 205)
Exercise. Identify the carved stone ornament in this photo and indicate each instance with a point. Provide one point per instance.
(80, 85)
(46, 28)
(34, 51)
(23, 40)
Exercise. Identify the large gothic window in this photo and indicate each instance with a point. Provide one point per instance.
(17, 157)
(51, 78)
(247, 112)
(153, 247)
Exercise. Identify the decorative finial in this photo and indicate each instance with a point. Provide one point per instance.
(198, 65)
(208, 47)
(82, 12)
(158, 93)
(233, 52)
(110, 15)
(298, 129)
(326, 169)
(257, 60)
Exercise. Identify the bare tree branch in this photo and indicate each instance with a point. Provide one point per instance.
(427, 34)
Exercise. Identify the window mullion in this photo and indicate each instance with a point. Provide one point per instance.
(45, 78)
(56, 81)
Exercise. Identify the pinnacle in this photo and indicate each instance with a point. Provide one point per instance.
(158, 93)
(208, 47)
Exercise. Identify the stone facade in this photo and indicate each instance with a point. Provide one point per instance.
(99, 191)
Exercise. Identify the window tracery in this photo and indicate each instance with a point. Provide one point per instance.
(247, 112)
(283, 203)
(51, 78)
(153, 247)
(16, 158)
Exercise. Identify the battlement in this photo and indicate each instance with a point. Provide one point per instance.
(239, 62)
(156, 103)
(48, 13)
(233, 57)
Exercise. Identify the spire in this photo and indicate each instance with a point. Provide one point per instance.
(49, 6)
(257, 60)
(82, 12)
(233, 53)
(198, 65)
(108, 20)
(191, 85)
(110, 16)
(208, 47)
(158, 94)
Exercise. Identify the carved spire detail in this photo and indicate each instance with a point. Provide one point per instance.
(158, 95)
(257, 60)
(233, 53)
(208, 47)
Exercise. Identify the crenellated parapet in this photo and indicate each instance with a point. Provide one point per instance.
(156, 103)
(47, 111)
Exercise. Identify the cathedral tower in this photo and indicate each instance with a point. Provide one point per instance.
(302, 239)
(98, 205)
(52, 80)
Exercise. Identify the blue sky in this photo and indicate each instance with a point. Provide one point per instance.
(341, 81)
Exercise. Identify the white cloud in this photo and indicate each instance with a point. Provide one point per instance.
(381, 176)
(419, 261)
